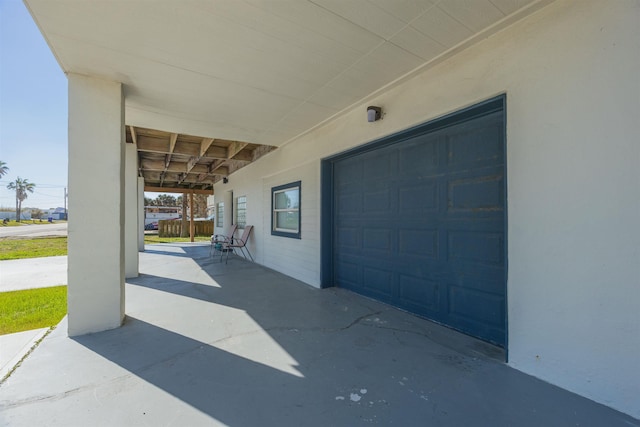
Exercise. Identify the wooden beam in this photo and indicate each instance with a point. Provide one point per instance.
(176, 190)
(222, 171)
(191, 163)
(244, 155)
(134, 135)
(172, 142)
(235, 148)
(204, 145)
(215, 152)
(182, 177)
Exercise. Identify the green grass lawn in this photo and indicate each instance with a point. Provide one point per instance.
(14, 223)
(32, 309)
(32, 248)
(55, 246)
(153, 238)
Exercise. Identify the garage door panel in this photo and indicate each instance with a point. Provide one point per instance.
(420, 223)
(476, 247)
(378, 281)
(380, 164)
(472, 305)
(419, 294)
(348, 272)
(378, 201)
(350, 203)
(477, 194)
(476, 141)
(349, 171)
(377, 239)
(348, 237)
(420, 157)
(418, 243)
(418, 197)
(483, 281)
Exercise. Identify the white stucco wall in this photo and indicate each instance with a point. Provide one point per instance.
(131, 212)
(95, 294)
(570, 73)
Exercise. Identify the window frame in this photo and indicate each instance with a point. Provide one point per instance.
(282, 232)
(220, 214)
(237, 210)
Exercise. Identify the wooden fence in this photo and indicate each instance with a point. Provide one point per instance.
(171, 228)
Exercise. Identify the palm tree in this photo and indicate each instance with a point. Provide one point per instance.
(22, 187)
(3, 168)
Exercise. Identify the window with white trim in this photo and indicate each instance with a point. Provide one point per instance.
(220, 214)
(241, 211)
(285, 210)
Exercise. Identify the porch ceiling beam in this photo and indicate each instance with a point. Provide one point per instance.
(177, 190)
(172, 142)
(182, 177)
(235, 148)
(134, 135)
(244, 155)
(158, 165)
(204, 145)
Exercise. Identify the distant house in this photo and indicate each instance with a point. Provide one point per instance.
(54, 213)
(11, 215)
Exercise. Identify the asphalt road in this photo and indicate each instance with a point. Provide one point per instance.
(32, 230)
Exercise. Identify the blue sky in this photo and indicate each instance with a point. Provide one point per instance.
(33, 110)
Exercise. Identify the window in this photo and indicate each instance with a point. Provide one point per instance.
(220, 215)
(241, 211)
(285, 210)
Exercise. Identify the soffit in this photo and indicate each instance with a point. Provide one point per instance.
(258, 71)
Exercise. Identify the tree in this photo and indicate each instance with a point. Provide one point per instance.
(36, 213)
(3, 168)
(165, 200)
(21, 187)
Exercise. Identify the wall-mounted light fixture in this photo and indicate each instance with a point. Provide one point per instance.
(373, 113)
(225, 180)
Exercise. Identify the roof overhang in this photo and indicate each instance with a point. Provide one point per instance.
(206, 77)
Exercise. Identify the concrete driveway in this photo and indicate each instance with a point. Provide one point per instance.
(208, 343)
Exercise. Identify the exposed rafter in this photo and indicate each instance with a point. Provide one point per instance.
(183, 162)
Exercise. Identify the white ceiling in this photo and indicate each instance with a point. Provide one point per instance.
(260, 71)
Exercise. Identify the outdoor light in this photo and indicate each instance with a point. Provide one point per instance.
(225, 180)
(374, 113)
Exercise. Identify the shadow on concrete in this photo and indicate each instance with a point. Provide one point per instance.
(255, 347)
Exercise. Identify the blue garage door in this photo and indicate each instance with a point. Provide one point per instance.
(419, 223)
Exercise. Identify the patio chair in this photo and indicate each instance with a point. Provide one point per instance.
(240, 243)
(219, 240)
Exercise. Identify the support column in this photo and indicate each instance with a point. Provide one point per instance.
(131, 212)
(191, 224)
(96, 202)
(140, 214)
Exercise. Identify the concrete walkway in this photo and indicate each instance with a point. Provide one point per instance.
(13, 347)
(32, 273)
(209, 344)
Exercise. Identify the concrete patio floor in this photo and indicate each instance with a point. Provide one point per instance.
(206, 343)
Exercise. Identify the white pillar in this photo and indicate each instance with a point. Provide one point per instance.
(96, 203)
(140, 214)
(131, 211)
